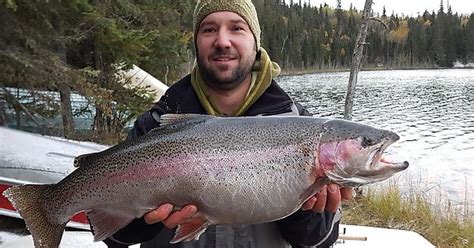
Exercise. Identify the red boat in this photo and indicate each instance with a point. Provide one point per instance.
(33, 158)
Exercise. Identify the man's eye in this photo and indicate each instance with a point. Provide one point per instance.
(237, 28)
(207, 30)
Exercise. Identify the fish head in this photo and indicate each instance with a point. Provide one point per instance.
(350, 153)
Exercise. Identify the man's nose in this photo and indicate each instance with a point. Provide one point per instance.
(222, 39)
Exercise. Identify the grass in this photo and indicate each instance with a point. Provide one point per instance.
(439, 222)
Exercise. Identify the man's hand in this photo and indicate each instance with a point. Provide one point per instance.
(170, 219)
(328, 198)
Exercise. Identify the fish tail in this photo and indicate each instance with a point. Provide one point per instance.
(27, 200)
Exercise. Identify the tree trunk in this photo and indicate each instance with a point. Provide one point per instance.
(66, 111)
(357, 60)
(17, 109)
(3, 116)
(99, 124)
(62, 85)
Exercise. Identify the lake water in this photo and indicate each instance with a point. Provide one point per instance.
(431, 110)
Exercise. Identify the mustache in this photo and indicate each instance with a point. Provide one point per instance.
(218, 52)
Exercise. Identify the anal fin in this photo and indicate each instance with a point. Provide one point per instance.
(106, 222)
(190, 231)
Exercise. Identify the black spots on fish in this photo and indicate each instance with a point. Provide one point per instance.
(306, 150)
(340, 134)
(336, 130)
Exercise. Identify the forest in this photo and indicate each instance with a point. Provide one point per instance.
(78, 46)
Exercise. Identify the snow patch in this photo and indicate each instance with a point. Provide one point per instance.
(70, 239)
(458, 64)
(39, 159)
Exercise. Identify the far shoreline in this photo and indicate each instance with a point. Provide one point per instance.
(285, 72)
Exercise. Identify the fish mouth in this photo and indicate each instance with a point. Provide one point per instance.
(376, 159)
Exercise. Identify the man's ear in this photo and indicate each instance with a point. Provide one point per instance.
(257, 65)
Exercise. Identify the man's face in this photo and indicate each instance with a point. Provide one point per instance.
(225, 50)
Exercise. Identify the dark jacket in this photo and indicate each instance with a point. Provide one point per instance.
(301, 229)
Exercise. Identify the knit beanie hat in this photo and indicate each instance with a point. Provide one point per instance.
(244, 8)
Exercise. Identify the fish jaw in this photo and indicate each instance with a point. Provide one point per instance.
(355, 162)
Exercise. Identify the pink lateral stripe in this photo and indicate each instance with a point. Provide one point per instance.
(182, 165)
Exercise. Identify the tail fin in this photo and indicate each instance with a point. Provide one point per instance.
(27, 201)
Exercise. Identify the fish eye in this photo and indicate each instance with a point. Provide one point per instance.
(366, 141)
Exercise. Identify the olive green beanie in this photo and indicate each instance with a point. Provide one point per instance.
(244, 8)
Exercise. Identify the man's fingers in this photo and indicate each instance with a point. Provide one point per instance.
(180, 217)
(309, 203)
(333, 198)
(320, 200)
(159, 214)
(346, 193)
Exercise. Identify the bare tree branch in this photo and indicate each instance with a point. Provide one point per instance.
(380, 21)
(14, 102)
(284, 43)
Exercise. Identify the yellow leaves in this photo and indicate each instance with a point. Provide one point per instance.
(11, 4)
(285, 20)
(345, 37)
(400, 34)
(186, 37)
(342, 53)
(464, 21)
(427, 23)
(326, 47)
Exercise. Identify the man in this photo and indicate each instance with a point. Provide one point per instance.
(233, 77)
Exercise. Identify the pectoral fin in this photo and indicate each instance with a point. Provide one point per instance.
(190, 231)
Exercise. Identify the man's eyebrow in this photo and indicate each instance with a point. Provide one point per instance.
(235, 21)
(239, 21)
(207, 23)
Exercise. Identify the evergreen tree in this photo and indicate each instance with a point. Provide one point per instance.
(78, 45)
(468, 38)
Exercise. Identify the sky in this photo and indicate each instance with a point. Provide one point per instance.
(406, 7)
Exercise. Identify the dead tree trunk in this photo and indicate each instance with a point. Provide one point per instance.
(357, 59)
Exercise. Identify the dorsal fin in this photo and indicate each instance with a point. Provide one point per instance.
(184, 119)
(171, 123)
(81, 159)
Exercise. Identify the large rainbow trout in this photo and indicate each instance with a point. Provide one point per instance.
(235, 170)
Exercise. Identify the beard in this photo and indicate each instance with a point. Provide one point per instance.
(213, 78)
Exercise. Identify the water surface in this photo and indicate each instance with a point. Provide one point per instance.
(431, 110)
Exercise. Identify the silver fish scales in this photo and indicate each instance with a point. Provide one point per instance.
(240, 170)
